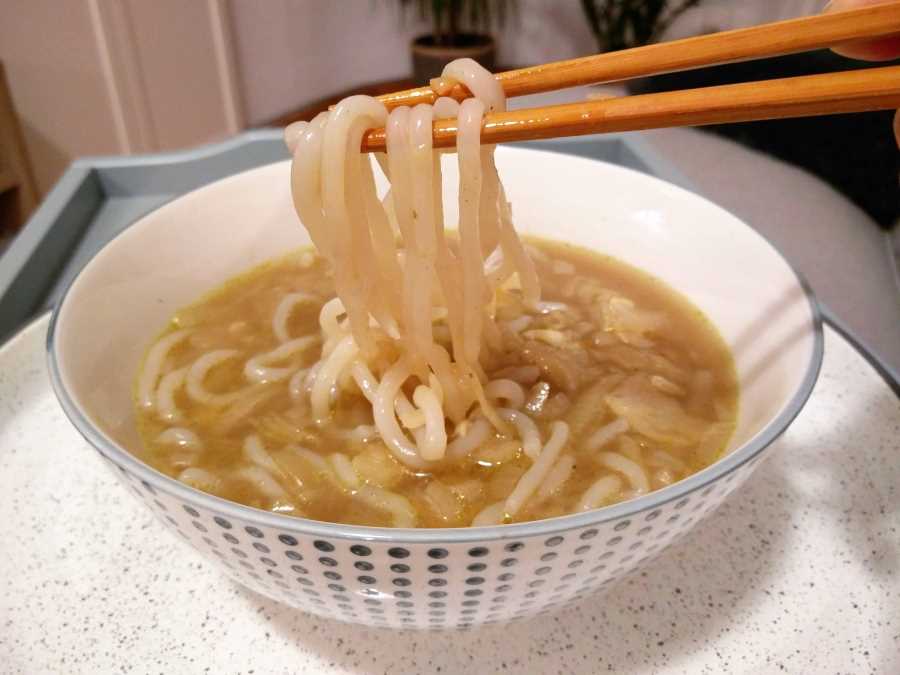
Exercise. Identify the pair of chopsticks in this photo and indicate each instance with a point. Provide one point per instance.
(830, 93)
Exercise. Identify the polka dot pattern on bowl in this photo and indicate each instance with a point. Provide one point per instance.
(430, 586)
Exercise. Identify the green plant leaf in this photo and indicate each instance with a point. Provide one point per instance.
(621, 24)
(449, 17)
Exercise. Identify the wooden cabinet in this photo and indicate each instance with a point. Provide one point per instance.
(18, 196)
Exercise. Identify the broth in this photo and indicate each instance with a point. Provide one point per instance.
(643, 380)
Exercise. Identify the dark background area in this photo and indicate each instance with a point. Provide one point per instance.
(855, 153)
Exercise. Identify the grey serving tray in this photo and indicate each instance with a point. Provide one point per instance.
(98, 197)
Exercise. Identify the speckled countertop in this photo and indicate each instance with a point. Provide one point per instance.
(799, 572)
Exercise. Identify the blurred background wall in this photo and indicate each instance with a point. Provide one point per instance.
(116, 76)
(124, 76)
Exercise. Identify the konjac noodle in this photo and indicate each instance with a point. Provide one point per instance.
(403, 374)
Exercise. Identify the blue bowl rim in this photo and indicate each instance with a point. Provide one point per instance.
(112, 451)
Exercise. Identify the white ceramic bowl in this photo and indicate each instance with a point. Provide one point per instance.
(452, 577)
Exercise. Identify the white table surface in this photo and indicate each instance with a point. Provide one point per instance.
(799, 571)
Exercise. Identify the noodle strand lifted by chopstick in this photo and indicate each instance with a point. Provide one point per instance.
(396, 272)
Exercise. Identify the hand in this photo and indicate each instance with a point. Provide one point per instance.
(880, 49)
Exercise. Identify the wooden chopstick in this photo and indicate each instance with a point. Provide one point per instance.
(830, 93)
(743, 44)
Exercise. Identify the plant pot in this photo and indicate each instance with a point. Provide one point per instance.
(429, 58)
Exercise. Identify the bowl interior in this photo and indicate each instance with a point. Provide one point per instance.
(124, 296)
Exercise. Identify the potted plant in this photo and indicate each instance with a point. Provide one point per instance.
(620, 24)
(623, 24)
(459, 28)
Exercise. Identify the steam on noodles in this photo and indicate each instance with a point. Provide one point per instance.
(411, 374)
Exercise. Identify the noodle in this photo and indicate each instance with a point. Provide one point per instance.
(507, 390)
(328, 317)
(283, 313)
(599, 493)
(326, 379)
(262, 480)
(473, 288)
(394, 271)
(386, 421)
(306, 183)
(257, 370)
(476, 434)
(197, 373)
(552, 337)
(180, 437)
(256, 454)
(436, 387)
(165, 395)
(359, 434)
(527, 429)
(558, 475)
(200, 479)
(243, 404)
(605, 434)
(519, 324)
(297, 383)
(435, 441)
(538, 472)
(490, 515)
(628, 468)
(317, 462)
(445, 107)
(346, 219)
(343, 469)
(402, 512)
(366, 381)
(521, 374)
(153, 366)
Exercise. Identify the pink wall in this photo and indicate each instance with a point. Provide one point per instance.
(292, 52)
(173, 44)
(56, 78)
(120, 76)
(93, 77)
